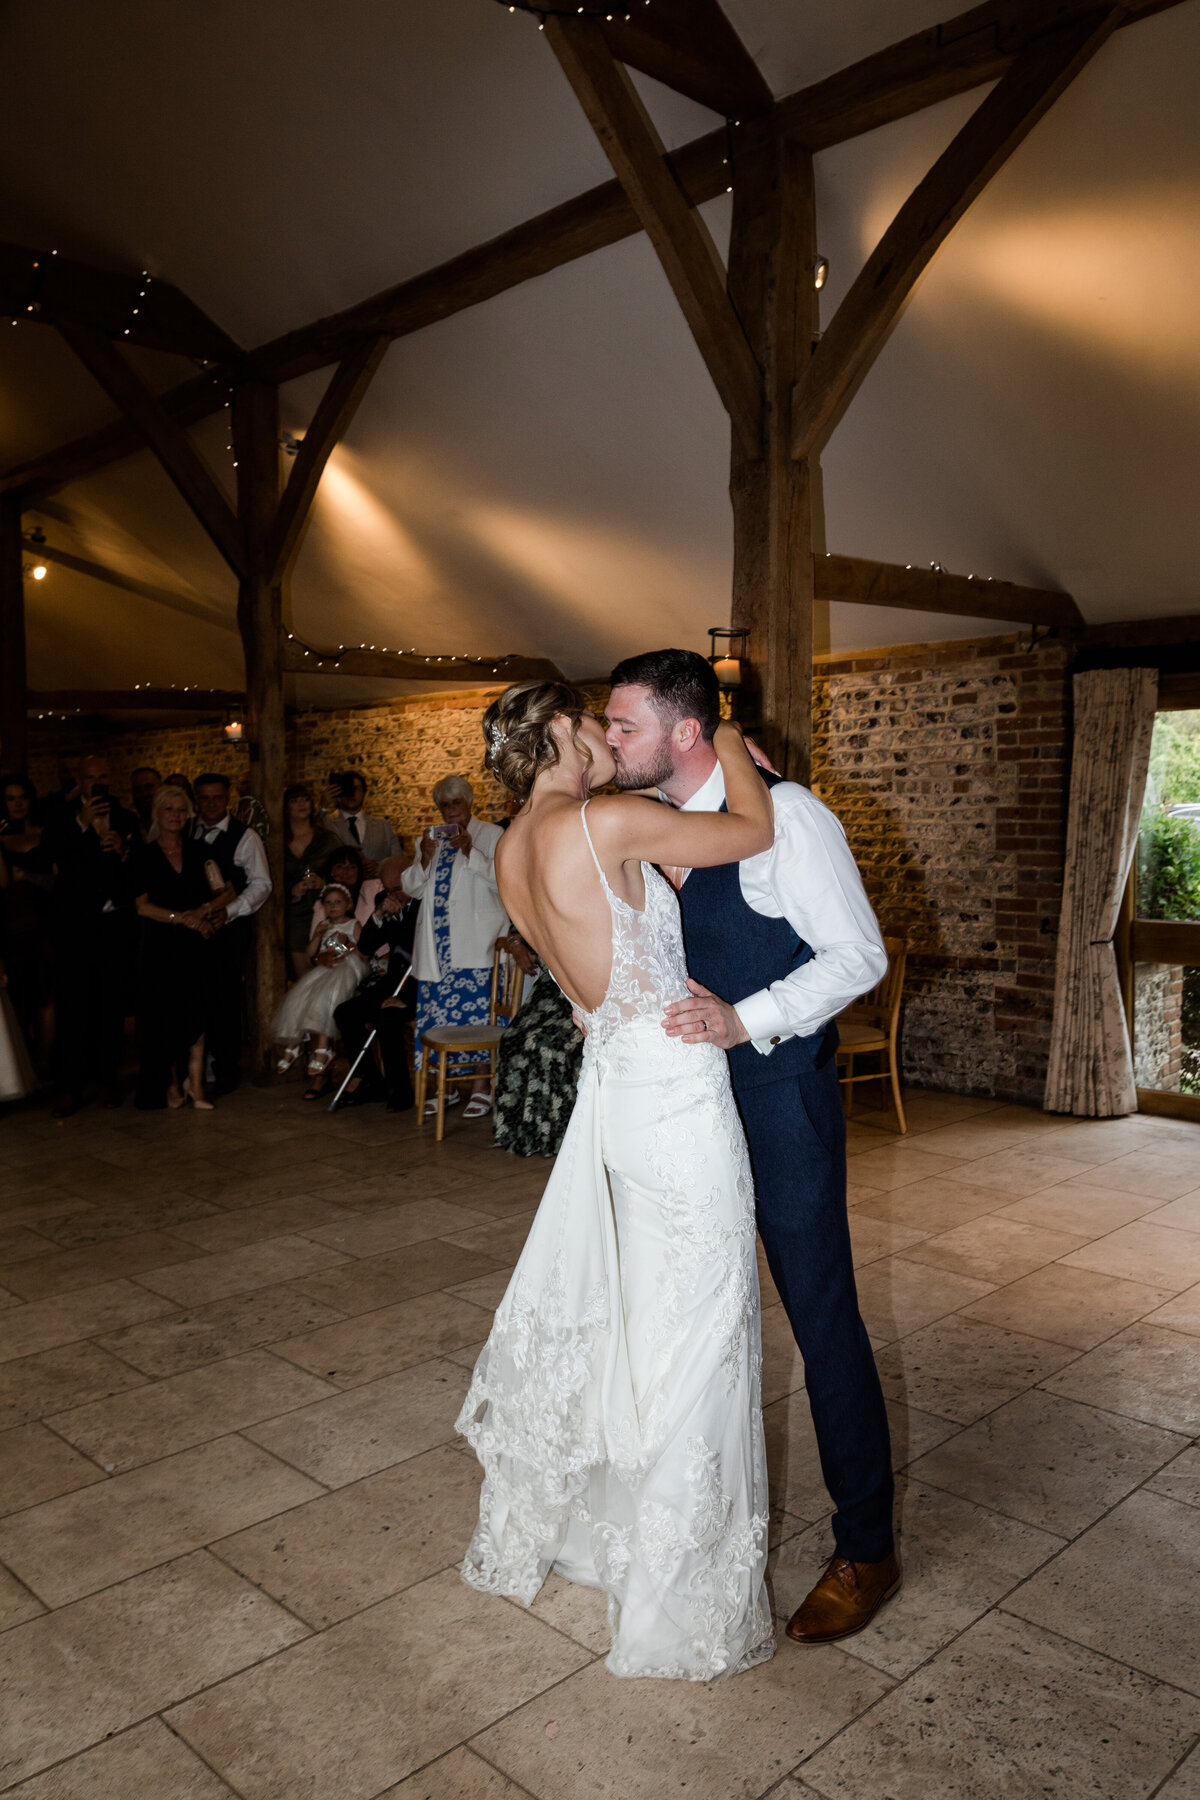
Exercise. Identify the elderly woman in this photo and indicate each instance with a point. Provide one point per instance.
(454, 877)
(176, 890)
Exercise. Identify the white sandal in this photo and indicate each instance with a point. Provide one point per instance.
(453, 1098)
(478, 1106)
(291, 1055)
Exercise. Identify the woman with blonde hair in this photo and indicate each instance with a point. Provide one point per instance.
(615, 1407)
(176, 892)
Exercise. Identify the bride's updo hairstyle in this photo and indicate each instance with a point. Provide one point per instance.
(516, 730)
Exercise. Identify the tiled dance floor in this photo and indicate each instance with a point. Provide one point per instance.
(231, 1505)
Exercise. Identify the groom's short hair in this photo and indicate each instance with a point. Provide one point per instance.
(681, 683)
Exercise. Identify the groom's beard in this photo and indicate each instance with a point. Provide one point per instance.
(654, 773)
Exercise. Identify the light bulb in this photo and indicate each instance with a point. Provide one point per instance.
(39, 572)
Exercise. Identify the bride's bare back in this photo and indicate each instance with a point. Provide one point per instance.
(548, 880)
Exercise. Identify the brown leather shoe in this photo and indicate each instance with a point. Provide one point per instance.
(846, 1598)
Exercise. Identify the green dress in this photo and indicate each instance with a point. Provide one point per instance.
(317, 858)
(537, 1074)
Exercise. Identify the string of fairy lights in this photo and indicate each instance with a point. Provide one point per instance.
(548, 9)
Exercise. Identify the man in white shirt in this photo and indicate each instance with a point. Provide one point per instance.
(239, 855)
(777, 946)
(376, 839)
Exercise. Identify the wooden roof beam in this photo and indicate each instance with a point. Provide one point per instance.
(861, 324)
(680, 237)
(301, 659)
(690, 46)
(167, 699)
(129, 584)
(40, 287)
(855, 579)
(178, 456)
(949, 59)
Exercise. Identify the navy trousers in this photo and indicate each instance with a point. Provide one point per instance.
(797, 1139)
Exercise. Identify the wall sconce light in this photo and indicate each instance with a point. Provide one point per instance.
(730, 643)
(38, 571)
(234, 729)
(820, 272)
(36, 537)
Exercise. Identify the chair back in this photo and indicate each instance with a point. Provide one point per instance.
(508, 984)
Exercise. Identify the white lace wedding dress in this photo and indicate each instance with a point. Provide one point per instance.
(616, 1405)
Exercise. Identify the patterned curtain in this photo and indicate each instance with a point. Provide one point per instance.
(1091, 1064)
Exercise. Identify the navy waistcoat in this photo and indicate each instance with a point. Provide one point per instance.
(735, 951)
(222, 848)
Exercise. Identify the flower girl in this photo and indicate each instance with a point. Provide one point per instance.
(308, 1008)
(16, 1071)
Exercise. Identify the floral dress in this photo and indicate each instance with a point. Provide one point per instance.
(460, 996)
(538, 1073)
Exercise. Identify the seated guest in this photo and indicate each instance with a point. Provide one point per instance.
(462, 915)
(27, 876)
(92, 924)
(175, 901)
(308, 1008)
(239, 855)
(386, 941)
(144, 783)
(307, 848)
(343, 801)
(537, 1071)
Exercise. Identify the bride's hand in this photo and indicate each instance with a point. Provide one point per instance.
(704, 1020)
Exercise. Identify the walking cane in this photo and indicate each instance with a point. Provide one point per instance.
(371, 1039)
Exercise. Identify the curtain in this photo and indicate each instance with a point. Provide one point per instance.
(1091, 1063)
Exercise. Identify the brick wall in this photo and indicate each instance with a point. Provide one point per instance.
(945, 763)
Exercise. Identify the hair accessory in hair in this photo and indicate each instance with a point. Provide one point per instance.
(336, 887)
(497, 737)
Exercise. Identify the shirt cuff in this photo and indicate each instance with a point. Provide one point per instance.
(763, 1020)
(237, 908)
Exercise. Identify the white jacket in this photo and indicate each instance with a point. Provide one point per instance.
(477, 916)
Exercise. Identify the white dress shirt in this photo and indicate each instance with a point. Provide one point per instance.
(808, 877)
(251, 858)
(475, 909)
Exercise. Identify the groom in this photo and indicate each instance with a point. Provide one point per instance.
(777, 946)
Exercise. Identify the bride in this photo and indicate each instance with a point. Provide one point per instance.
(615, 1407)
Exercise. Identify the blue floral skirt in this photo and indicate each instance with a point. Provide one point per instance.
(461, 998)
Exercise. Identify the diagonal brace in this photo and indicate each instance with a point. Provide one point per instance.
(682, 240)
(865, 317)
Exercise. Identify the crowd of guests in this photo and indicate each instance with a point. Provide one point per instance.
(108, 909)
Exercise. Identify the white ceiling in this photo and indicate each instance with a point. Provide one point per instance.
(546, 473)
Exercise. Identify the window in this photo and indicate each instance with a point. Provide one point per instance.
(1163, 980)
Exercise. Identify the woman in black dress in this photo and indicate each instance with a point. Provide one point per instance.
(175, 899)
(27, 877)
(307, 849)
(538, 1066)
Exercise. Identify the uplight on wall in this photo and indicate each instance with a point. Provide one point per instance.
(729, 646)
(820, 272)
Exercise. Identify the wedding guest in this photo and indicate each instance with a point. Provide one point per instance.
(461, 917)
(308, 846)
(343, 801)
(309, 1006)
(27, 876)
(538, 1064)
(17, 1077)
(92, 924)
(386, 942)
(239, 855)
(144, 783)
(181, 781)
(175, 901)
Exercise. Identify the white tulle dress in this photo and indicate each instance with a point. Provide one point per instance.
(616, 1405)
(309, 1006)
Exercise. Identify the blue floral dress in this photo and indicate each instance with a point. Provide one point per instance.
(461, 996)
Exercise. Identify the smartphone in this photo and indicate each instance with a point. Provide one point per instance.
(443, 831)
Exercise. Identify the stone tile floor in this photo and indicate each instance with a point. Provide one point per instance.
(232, 1348)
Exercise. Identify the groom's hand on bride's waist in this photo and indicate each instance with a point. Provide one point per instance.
(704, 1020)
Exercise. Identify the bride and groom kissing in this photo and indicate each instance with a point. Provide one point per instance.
(708, 945)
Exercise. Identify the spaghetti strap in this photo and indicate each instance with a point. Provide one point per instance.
(587, 834)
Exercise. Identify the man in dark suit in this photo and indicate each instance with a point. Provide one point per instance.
(386, 940)
(88, 839)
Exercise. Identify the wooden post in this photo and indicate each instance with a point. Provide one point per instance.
(14, 732)
(776, 499)
(260, 617)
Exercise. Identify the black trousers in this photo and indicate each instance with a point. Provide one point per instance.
(92, 984)
(356, 1017)
(223, 1027)
(797, 1140)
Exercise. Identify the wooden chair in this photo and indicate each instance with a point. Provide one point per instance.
(871, 1026)
(450, 1043)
